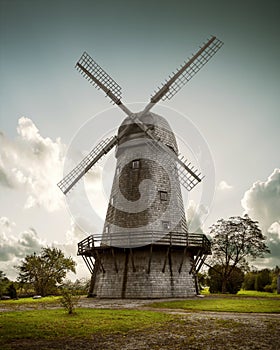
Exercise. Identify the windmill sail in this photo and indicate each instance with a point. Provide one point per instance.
(100, 79)
(186, 72)
(84, 166)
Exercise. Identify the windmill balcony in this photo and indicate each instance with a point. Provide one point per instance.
(193, 241)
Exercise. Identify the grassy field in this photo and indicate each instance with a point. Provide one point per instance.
(225, 304)
(47, 324)
(254, 293)
(36, 324)
(30, 301)
(245, 293)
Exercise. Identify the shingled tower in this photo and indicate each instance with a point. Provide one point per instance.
(145, 249)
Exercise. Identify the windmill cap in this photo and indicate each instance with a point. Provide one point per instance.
(156, 123)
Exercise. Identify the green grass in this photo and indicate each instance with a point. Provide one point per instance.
(49, 324)
(254, 293)
(243, 292)
(30, 303)
(226, 304)
(44, 323)
(24, 301)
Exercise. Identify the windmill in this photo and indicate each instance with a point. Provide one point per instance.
(145, 249)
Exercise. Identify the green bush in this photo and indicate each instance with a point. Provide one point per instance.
(69, 300)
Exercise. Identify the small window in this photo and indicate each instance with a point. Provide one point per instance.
(112, 200)
(136, 164)
(118, 170)
(163, 195)
(107, 229)
(166, 225)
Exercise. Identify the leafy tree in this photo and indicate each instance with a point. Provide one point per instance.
(249, 280)
(12, 292)
(233, 284)
(263, 279)
(45, 270)
(4, 283)
(234, 241)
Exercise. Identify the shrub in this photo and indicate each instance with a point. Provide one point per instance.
(69, 300)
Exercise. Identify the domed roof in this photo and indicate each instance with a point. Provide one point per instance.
(157, 124)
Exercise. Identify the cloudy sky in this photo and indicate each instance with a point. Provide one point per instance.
(233, 103)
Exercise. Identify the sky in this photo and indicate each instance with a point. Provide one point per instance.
(47, 108)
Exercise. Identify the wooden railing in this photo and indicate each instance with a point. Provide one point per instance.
(137, 239)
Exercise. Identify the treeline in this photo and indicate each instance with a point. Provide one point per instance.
(42, 274)
(15, 289)
(263, 281)
(7, 287)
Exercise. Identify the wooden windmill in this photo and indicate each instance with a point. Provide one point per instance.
(145, 249)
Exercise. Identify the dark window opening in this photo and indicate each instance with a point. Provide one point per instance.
(163, 195)
(166, 225)
(135, 164)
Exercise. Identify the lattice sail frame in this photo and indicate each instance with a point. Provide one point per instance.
(84, 166)
(98, 77)
(187, 70)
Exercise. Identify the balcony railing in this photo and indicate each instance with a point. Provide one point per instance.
(138, 239)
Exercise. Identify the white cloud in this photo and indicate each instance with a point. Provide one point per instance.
(95, 192)
(262, 203)
(73, 236)
(224, 186)
(274, 229)
(15, 246)
(34, 164)
(6, 224)
(195, 217)
(262, 200)
(30, 167)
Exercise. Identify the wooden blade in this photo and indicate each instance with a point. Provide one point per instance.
(186, 72)
(84, 166)
(100, 79)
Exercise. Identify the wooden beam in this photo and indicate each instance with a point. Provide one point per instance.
(115, 260)
(170, 263)
(150, 259)
(132, 259)
(93, 280)
(99, 261)
(182, 261)
(125, 270)
(165, 260)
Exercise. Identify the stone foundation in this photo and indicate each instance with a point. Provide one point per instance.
(146, 272)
